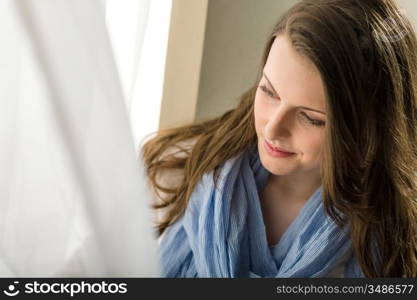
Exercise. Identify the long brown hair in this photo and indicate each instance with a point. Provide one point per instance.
(365, 51)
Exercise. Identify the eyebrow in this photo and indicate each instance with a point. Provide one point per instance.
(303, 107)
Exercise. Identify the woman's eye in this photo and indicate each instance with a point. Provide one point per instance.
(267, 91)
(313, 122)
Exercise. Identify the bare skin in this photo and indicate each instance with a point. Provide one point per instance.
(280, 208)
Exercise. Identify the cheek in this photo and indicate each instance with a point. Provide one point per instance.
(312, 145)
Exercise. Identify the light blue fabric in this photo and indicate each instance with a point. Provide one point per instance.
(222, 233)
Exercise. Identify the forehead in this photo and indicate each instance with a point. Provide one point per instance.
(294, 77)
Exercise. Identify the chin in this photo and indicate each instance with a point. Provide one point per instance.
(276, 170)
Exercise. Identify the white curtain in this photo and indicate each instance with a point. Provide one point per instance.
(73, 200)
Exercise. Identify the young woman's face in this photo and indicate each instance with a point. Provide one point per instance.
(290, 112)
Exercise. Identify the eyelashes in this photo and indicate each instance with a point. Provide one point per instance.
(268, 92)
(311, 121)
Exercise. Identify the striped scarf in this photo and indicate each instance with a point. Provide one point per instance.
(222, 233)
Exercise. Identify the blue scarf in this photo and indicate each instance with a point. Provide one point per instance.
(222, 233)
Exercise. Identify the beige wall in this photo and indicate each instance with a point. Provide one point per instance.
(214, 53)
(183, 62)
(236, 32)
(410, 7)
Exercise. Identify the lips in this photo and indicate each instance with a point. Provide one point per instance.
(278, 149)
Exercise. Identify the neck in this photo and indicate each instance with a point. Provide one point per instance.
(295, 186)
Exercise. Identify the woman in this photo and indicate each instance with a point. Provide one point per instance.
(337, 93)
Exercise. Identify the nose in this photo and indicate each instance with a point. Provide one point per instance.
(278, 125)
